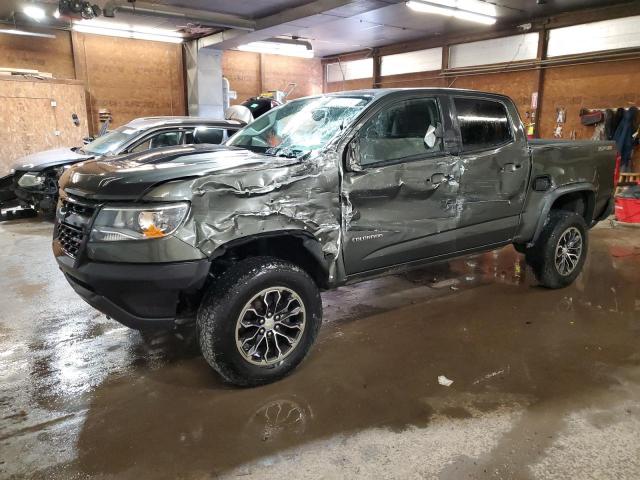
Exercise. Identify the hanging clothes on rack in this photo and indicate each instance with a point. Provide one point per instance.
(609, 127)
(624, 137)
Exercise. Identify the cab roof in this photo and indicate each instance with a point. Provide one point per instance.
(380, 92)
(144, 123)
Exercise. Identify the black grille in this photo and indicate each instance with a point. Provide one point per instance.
(70, 239)
(73, 224)
(71, 208)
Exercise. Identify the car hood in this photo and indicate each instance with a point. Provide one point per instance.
(37, 162)
(129, 177)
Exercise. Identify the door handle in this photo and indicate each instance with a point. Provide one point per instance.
(510, 167)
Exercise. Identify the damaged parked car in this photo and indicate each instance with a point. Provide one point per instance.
(318, 193)
(34, 179)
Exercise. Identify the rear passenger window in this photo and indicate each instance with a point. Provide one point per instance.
(484, 124)
(162, 139)
(399, 131)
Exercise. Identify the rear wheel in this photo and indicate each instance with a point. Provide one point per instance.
(258, 320)
(558, 256)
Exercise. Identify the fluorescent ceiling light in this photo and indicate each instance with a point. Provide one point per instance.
(474, 6)
(471, 10)
(123, 30)
(34, 12)
(26, 34)
(284, 46)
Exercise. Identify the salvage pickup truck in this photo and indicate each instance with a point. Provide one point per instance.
(318, 193)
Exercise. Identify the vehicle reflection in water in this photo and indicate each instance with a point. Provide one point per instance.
(280, 417)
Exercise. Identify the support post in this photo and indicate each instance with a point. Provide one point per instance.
(377, 68)
(204, 81)
(541, 55)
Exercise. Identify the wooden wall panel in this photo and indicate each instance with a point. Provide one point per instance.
(600, 85)
(278, 71)
(362, 83)
(242, 69)
(28, 121)
(250, 74)
(43, 54)
(131, 78)
(413, 80)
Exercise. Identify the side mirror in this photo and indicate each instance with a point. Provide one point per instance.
(353, 155)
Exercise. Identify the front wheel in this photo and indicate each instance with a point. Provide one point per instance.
(559, 254)
(258, 320)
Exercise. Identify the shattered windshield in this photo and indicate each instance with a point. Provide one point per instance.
(300, 126)
(111, 142)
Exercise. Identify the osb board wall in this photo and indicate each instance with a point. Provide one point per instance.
(600, 85)
(250, 74)
(413, 80)
(28, 121)
(43, 54)
(358, 84)
(130, 78)
(278, 71)
(242, 69)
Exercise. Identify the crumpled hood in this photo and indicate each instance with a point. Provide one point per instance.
(37, 162)
(128, 177)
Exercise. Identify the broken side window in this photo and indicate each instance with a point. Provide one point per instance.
(399, 131)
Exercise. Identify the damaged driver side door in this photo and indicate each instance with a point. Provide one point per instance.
(400, 187)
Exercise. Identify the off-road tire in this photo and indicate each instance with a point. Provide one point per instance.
(541, 257)
(222, 305)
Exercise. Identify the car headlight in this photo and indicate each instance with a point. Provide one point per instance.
(31, 179)
(138, 223)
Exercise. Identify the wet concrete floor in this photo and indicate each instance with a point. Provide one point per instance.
(546, 384)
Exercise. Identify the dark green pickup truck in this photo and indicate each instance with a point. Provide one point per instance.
(320, 192)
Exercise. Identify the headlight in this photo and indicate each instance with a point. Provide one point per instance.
(138, 223)
(31, 179)
(60, 170)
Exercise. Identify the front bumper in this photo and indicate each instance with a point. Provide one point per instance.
(140, 296)
(38, 199)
